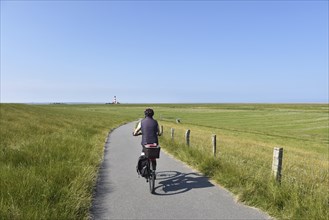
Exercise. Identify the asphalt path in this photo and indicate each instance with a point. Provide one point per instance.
(180, 192)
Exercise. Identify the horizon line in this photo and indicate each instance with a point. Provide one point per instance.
(157, 103)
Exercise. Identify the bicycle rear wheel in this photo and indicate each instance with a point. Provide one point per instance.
(152, 181)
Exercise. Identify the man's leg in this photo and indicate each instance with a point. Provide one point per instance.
(154, 164)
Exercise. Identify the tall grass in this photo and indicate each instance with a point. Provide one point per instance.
(246, 138)
(49, 158)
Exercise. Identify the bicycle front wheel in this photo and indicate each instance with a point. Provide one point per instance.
(152, 181)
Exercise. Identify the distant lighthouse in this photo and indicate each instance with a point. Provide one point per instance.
(115, 100)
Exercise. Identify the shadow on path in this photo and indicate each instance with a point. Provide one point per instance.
(174, 182)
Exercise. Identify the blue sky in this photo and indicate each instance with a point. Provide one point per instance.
(164, 51)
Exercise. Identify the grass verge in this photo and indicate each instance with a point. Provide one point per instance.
(49, 158)
(243, 166)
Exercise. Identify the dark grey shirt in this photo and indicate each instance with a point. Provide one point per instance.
(150, 131)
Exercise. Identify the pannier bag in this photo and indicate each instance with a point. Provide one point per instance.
(142, 166)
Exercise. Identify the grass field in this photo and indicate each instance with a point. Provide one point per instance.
(246, 136)
(50, 154)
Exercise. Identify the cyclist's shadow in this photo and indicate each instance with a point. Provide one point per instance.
(174, 182)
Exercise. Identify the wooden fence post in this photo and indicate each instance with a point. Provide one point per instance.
(187, 137)
(214, 144)
(277, 163)
(172, 131)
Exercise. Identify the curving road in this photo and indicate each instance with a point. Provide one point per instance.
(181, 193)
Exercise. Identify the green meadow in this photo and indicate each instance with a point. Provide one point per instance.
(246, 135)
(50, 154)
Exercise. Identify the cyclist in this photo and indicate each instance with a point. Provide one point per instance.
(149, 129)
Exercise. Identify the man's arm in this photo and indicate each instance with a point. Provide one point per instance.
(138, 129)
(159, 131)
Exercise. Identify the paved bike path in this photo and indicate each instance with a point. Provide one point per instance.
(180, 192)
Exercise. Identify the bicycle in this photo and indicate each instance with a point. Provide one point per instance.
(152, 152)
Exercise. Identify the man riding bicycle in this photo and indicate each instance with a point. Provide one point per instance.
(149, 129)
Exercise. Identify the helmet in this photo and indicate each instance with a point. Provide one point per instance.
(149, 112)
